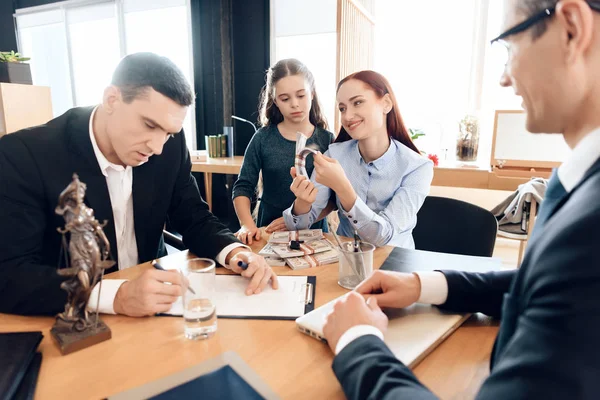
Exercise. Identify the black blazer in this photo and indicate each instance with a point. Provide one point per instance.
(548, 345)
(36, 164)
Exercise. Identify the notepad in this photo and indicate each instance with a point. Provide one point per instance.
(294, 298)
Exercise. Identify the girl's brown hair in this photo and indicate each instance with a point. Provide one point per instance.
(269, 113)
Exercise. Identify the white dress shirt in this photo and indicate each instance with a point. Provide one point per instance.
(434, 286)
(119, 181)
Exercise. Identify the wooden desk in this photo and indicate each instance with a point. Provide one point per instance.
(228, 165)
(294, 365)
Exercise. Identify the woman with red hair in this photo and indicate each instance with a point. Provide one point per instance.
(379, 177)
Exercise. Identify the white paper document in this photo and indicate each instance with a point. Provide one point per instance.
(289, 301)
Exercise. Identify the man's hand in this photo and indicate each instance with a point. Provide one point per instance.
(258, 271)
(276, 226)
(351, 311)
(391, 289)
(247, 234)
(149, 294)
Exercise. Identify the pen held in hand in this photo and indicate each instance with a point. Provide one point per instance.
(243, 265)
(156, 265)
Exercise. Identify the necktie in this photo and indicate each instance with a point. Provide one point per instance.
(555, 192)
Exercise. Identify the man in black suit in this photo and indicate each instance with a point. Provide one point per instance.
(548, 343)
(131, 152)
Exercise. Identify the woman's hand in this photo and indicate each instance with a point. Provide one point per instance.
(247, 234)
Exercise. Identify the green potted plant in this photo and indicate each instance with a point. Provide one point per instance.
(13, 69)
(417, 133)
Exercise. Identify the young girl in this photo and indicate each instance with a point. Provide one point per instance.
(289, 104)
(379, 177)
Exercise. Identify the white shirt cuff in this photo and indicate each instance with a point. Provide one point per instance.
(359, 215)
(354, 333)
(223, 254)
(110, 287)
(434, 287)
(295, 222)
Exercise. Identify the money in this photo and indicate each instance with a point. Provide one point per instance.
(306, 235)
(301, 153)
(267, 251)
(297, 263)
(316, 246)
(275, 261)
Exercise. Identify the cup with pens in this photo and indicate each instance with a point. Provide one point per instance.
(355, 261)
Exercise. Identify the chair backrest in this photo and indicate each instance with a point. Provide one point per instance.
(173, 240)
(453, 226)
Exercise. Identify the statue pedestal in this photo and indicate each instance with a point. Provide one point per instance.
(70, 341)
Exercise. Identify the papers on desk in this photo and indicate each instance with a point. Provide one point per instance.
(294, 298)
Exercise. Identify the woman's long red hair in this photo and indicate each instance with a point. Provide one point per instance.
(394, 123)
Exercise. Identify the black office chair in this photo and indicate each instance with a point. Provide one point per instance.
(454, 226)
(173, 240)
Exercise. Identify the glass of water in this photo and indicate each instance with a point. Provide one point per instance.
(199, 311)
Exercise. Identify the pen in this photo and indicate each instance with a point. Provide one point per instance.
(158, 266)
(346, 256)
(242, 265)
(356, 242)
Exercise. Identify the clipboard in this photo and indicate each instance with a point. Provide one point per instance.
(294, 298)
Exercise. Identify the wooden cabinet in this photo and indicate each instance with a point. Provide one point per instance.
(23, 106)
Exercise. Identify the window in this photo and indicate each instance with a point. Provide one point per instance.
(42, 37)
(309, 36)
(172, 40)
(435, 55)
(93, 38)
(75, 45)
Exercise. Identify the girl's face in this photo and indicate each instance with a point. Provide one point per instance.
(293, 97)
(363, 114)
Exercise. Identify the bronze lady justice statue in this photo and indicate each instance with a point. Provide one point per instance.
(88, 257)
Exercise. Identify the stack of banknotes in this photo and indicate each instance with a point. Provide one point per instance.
(314, 251)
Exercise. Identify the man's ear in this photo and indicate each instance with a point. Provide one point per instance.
(112, 97)
(577, 21)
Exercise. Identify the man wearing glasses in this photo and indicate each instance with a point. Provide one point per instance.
(548, 342)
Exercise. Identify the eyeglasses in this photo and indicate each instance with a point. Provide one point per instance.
(528, 23)
(502, 48)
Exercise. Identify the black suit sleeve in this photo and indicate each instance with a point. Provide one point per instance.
(202, 232)
(553, 352)
(367, 369)
(26, 285)
(470, 292)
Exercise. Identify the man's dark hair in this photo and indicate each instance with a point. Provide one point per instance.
(139, 71)
(531, 7)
